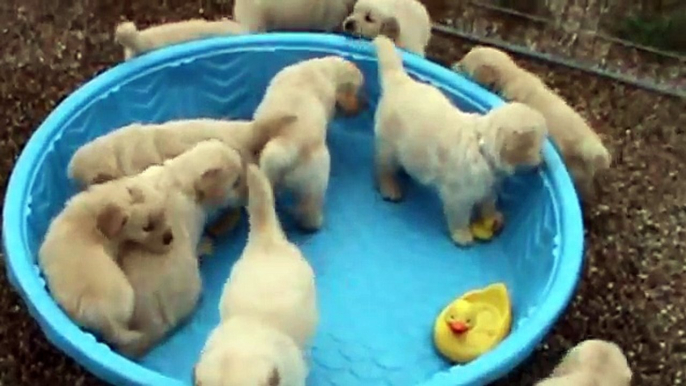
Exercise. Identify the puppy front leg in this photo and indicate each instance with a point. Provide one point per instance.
(458, 215)
(489, 211)
(386, 169)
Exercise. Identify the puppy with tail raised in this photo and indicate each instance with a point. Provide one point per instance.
(462, 155)
(268, 307)
(137, 42)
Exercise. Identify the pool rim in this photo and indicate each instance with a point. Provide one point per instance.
(111, 367)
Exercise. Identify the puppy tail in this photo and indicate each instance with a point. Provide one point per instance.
(261, 205)
(127, 35)
(390, 61)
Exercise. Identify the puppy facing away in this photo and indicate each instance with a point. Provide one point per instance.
(591, 363)
(580, 146)
(137, 42)
(133, 148)
(167, 286)
(78, 255)
(291, 15)
(295, 156)
(406, 22)
(268, 307)
(462, 155)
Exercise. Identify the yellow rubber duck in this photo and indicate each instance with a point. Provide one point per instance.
(473, 324)
(486, 228)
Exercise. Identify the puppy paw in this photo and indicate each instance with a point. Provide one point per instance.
(462, 237)
(206, 246)
(390, 189)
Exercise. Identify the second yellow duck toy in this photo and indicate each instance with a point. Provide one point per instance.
(473, 324)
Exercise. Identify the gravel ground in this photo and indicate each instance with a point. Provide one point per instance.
(634, 285)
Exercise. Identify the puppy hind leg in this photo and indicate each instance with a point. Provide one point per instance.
(386, 170)
(312, 182)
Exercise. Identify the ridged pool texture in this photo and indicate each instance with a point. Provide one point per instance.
(384, 270)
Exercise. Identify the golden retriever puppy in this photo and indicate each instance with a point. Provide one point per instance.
(591, 363)
(167, 286)
(137, 42)
(78, 256)
(463, 155)
(406, 22)
(295, 156)
(292, 15)
(268, 307)
(133, 148)
(581, 147)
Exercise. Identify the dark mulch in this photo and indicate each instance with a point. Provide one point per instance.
(634, 285)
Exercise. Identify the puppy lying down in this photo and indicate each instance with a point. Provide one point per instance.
(294, 15)
(167, 286)
(79, 254)
(268, 308)
(137, 42)
(133, 148)
(406, 22)
(591, 363)
(462, 155)
(295, 156)
(582, 149)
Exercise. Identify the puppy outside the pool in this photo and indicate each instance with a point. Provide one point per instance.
(78, 256)
(167, 286)
(292, 15)
(295, 157)
(581, 147)
(268, 307)
(591, 363)
(406, 22)
(463, 155)
(137, 42)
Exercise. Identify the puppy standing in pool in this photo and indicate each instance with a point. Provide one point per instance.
(78, 255)
(295, 156)
(418, 129)
(294, 15)
(582, 149)
(137, 42)
(406, 22)
(591, 363)
(167, 286)
(268, 308)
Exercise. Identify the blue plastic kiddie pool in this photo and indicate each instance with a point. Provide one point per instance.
(384, 270)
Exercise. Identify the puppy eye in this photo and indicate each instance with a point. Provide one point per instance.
(149, 227)
(368, 18)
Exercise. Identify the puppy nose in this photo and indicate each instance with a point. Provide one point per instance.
(167, 238)
(349, 25)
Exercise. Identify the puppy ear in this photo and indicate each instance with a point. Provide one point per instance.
(206, 185)
(136, 194)
(101, 178)
(111, 220)
(390, 28)
(274, 378)
(486, 75)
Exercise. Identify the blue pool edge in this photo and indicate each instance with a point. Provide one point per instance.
(112, 367)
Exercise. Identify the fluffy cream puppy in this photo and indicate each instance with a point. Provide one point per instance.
(137, 42)
(309, 15)
(581, 147)
(406, 22)
(591, 363)
(79, 252)
(167, 286)
(418, 129)
(268, 307)
(133, 148)
(295, 156)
